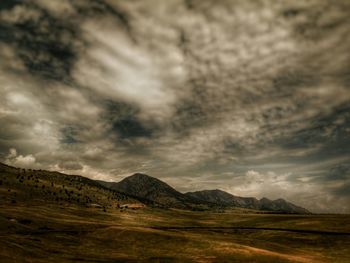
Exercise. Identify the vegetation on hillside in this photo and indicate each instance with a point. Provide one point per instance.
(38, 186)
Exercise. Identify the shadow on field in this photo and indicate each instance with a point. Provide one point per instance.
(222, 229)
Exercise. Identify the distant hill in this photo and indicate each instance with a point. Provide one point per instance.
(39, 186)
(153, 189)
(222, 198)
(281, 205)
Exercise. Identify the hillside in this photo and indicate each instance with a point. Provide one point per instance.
(38, 187)
(153, 189)
(225, 199)
(281, 205)
(222, 198)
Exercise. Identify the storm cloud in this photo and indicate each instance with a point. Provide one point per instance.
(251, 97)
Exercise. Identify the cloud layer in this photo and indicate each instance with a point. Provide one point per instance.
(248, 96)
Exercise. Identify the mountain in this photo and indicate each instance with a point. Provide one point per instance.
(39, 186)
(222, 198)
(225, 199)
(152, 189)
(281, 205)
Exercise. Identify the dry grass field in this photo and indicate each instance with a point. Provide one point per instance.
(53, 233)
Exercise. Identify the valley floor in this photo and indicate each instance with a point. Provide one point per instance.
(52, 233)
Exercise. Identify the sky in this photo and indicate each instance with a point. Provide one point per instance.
(251, 97)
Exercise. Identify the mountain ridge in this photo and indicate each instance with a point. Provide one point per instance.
(159, 192)
(226, 199)
(62, 188)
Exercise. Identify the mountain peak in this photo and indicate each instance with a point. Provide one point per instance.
(151, 188)
(140, 176)
(142, 180)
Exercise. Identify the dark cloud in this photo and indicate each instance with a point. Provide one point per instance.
(49, 44)
(247, 96)
(44, 43)
(70, 135)
(124, 121)
(339, 172)
(8, 4)
(130, 128)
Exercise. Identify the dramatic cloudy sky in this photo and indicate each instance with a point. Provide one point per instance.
(252, 97)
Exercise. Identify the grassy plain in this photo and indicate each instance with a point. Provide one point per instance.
(54, 233)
